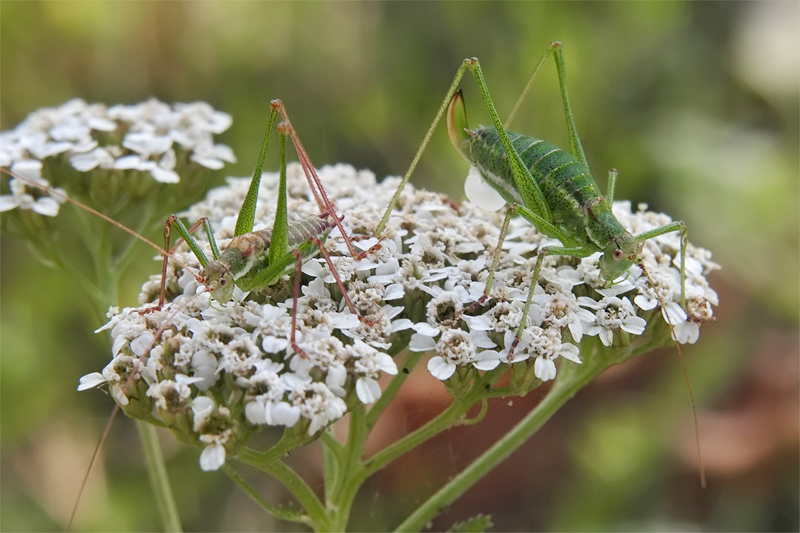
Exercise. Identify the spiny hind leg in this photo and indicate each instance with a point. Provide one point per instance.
(439, 114)
(297, 275)
(456, 123)
(556, 50)
(339, 282)
(244, 223)
(324, 203)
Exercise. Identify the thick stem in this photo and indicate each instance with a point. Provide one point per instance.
(339, 497)
(572, 378)
(157, 472)
(272, 465)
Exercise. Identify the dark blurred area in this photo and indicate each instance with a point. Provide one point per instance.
(696, 105)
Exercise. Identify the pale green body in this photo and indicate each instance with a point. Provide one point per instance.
(246, 264)
(578, 209)
(555, 193)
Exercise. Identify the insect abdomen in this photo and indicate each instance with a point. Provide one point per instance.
(306, 228)
(565, 182)
(246, 250)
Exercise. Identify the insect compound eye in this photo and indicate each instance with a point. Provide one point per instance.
(618, 255)
(223, 281)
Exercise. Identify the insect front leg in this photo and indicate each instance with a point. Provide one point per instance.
(186, 235)
(674, 226)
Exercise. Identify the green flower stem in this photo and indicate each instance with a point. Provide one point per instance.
(332, 452)
(446, 419)
(157, 472)
(270, 463)
(565, 387)
(571, 378)
(391, 390)
(340, 496)
(350, 472)
(278, 512)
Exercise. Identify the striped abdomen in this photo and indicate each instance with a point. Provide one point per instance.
(576, 204)
(249, 249)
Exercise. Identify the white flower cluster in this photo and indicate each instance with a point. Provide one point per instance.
(151, 137)
(234, 364)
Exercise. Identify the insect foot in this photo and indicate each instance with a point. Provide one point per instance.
(217, 372)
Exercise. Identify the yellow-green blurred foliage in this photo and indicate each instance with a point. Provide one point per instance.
(696, 105)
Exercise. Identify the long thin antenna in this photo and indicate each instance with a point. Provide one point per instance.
(114, 413)
(700, 464)
(80, 204)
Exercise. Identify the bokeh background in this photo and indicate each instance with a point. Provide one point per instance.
(696, 104)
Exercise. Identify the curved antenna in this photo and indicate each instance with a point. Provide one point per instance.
(107, 429)
(700, 464)
(80, 204)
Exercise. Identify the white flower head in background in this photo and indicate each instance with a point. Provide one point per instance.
(144, 137)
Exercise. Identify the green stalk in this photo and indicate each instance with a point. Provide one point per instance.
(339, 497)
(272, 465)
(157, 472)
(571, 378)
(443, 421)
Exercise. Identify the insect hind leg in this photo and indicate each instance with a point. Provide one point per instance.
(350, 305)
(324, 203)
(556, 49)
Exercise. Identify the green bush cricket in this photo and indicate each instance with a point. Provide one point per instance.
(551, 188)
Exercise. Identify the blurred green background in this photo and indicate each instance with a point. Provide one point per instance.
(696, 104)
